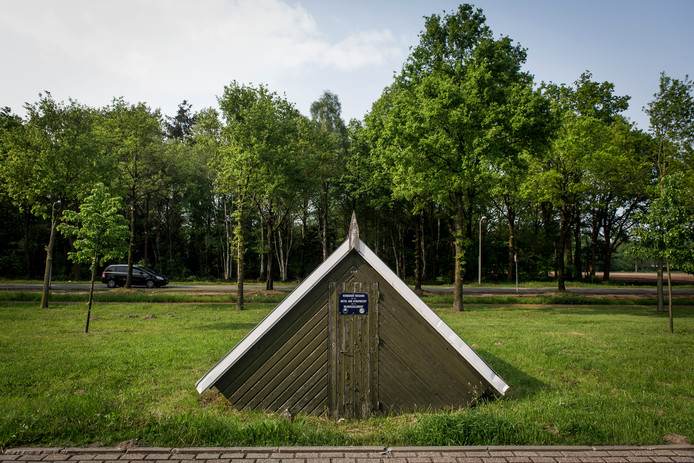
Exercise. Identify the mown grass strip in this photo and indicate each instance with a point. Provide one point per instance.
(582, 374)
(556, 299)
(136, 296)
(144, 296)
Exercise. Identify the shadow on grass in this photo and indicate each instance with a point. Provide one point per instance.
(522, 384)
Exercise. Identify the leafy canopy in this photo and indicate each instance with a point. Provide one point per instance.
(458, 111)
(99, 228)
(666, 229)
(51, 157)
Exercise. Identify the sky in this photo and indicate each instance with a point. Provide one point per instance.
(164, 51)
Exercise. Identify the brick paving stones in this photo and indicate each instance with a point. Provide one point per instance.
(476, 454)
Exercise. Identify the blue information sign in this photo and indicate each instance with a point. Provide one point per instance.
(354, 303)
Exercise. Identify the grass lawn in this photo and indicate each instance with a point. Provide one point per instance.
(584, 374)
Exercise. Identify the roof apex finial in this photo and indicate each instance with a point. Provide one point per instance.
(353, 234)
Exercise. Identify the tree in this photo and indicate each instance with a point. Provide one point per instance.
(233, 167)
(509, 202)
(180, 126)
(49, 160)
(130, 136)
(583, 113)
(10, 127)
(231, 163)
(666, 230)
(330, 149)
(460, 106)
(257, 162)
(617, 177)
(671, 116)
(557, 177)
(100, 231)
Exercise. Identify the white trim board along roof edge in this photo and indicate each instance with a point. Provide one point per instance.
(310, 282)
(434, 320)
(273, 317)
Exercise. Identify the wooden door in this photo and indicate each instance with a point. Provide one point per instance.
(353, 348)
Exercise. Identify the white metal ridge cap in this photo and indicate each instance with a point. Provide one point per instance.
(272, 318)
(434, 320)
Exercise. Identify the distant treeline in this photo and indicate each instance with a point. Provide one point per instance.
(463, 140)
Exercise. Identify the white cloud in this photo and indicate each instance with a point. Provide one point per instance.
(156, 50)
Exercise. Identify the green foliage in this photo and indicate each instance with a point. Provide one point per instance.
(584, 114)
(666, 229)
(460, 113)
(99, 228)
(588, 98)
(52, 156)
(129, 136)
(258, 143)
(455, 115)
(671, 115)
(180, 126)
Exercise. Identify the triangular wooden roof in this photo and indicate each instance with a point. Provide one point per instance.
(353, 242)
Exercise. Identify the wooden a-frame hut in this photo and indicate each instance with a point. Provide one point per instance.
(352, 340)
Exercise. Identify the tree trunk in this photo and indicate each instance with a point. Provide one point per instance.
(607, 250)
(578, 261)
(669, 295)
(27, 252)
(288, 250)
(74, 273)
(48, 269)
(169, 236)
(395, 255)
(564, 219)
(282, 257)
(279, 251)
(547, 225)
(131, 248)
(226, 254)
(324, 219)
(418, 254)
(145, 233)
(607, 264)
(240, 251)
(423, 247)
(269, 282)
(302, 254)
(261, 273)
(659, 288)
(91, 295)
(205, 264)
(594, 233)
(458, 240)
(157, 246)
(437, 247)
(511, 218)
(378, 234)
(401, 238)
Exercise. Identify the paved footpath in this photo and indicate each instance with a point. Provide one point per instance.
(482, 454)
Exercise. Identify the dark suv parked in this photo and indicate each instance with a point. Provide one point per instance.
(115, 275)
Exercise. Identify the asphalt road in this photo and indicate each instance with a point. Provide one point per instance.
(224, 288)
